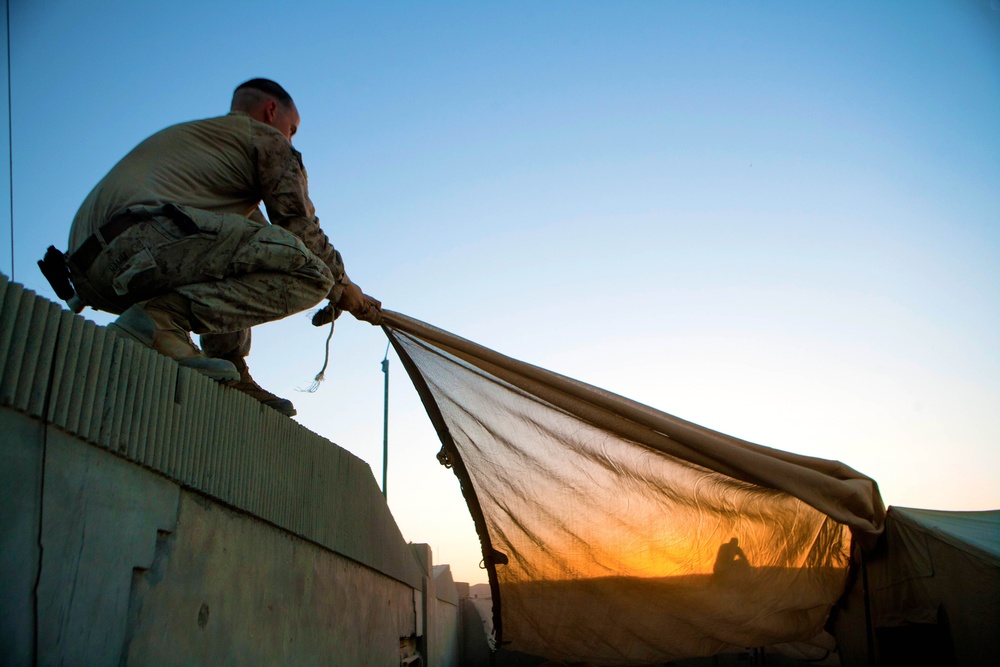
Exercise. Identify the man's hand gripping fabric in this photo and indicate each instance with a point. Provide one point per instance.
(354, 301)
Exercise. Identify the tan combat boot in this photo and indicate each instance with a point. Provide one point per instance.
(163, 324)
(254, 390)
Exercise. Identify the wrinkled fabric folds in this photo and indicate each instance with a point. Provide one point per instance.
(619, 534)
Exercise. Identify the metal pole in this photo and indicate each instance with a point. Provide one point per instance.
(10, 144)
(385, 430)
(869, 632)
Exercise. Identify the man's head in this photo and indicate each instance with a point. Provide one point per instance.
(267, 102)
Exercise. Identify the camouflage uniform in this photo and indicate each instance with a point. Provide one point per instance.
(193, 192)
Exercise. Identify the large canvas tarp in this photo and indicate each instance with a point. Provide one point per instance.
(616, 533)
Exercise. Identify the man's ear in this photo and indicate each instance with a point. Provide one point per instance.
(270, 110)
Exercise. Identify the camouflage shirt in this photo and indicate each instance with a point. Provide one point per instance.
(228, 164)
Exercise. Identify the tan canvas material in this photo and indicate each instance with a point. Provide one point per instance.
(619, 534)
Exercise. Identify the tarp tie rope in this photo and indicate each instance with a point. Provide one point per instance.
(312, 388)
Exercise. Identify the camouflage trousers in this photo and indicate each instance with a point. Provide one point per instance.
(235, 272)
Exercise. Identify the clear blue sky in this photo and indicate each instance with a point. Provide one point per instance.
(780, 220)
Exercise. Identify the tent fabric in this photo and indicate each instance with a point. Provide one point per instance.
(615, 533)
(976, 533)
(934, 592)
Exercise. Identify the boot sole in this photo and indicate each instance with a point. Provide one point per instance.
(212, 368)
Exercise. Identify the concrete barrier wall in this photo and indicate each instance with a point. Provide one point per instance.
(151, 516)
(447, 623)
(137, 404)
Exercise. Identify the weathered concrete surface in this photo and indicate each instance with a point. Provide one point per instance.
(137, 571)
(20, 479)
(100, 518)
(226, 588)
(446, 629)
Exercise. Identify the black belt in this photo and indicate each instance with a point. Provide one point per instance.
(92, 247)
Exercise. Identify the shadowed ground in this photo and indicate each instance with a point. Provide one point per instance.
(668, 618)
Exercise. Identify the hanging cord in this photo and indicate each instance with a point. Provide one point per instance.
(10, 146)
(311, 389)
(325, 315)
(328, 314)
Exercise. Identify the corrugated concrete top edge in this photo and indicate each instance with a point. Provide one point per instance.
(142, 406)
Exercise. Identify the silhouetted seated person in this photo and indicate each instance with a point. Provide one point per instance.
(731, 558)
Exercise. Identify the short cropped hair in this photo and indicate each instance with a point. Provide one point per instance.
(251, 91)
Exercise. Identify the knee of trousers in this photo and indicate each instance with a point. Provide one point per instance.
(275, 250)
(307, 291)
